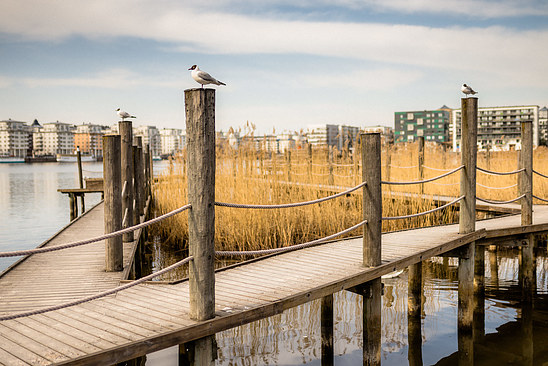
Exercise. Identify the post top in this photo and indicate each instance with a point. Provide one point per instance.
(196, 89)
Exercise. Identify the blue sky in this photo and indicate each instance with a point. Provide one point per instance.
(287, 64)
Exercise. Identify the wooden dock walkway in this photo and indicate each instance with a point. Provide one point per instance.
(153, 316)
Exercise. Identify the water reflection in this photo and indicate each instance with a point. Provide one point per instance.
(514, 331)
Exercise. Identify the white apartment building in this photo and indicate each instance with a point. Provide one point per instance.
(499, 127)
(172, 140)
(54, 138)
(151, 137)
(14, 138)
(338, 136)
(543, 126)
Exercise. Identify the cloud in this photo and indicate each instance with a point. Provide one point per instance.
(380, 79)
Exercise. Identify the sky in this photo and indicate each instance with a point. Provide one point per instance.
(288, 64)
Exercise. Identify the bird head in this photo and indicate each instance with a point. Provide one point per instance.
(193, 67)
(117, 110)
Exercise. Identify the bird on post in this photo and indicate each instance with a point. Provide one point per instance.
(203, 77)
(124, 114)
(467, 90)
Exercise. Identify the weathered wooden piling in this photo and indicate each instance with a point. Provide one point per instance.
(467, 224)
(113, 201)
(372, 212)
(327, 330)
(126, 132)
(414, 305)
(527, 260)
(73, 206)
(420, 161)
(80, 178)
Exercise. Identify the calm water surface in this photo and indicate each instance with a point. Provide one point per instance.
(33, 210)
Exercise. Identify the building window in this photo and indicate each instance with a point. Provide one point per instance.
(410, 127)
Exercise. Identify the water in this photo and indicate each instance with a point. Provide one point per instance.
(33, 210)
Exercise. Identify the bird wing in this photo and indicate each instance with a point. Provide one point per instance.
(205, 76)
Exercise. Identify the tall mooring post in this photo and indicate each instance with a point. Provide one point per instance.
(467, 224)
(420, 162)
(200, 132)
(113, 201)
(126, 133)
(527, 260)
(372, 212)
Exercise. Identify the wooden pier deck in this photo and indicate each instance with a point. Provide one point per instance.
(153, 316)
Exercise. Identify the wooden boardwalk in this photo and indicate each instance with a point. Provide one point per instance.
(153, 316)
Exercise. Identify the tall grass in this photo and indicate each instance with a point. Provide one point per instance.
(245, 175)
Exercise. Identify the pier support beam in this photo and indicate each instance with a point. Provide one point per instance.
(113, 201)
(372, 212)
(467, 224)
(126, 132)
(200, 130)
(479, 293)
(414, 301)
(327, 330)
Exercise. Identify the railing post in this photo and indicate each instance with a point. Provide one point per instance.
(467, 224)
(113, 201)
(126, 133)
(527, 260)
(421, 162)
(372, 212)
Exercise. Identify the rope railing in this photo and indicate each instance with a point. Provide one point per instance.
(425, 212)
(538, 173)
(98, 295)
(402, 167)
(481, 185)
(425, 180)
(437, 169)
(540, 199)
(290, 205)
(500, 202)
(499, 173)
(228, 253)
(342, 165)
(96, 239)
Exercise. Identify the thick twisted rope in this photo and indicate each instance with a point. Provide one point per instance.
(540, 199)
(425, 180)
(96, 296)
(425, 212)
(542, 175)
(499, 173)
(481, 185)
(289, 248)
(96, 239)
(500, 202)
(289, 205)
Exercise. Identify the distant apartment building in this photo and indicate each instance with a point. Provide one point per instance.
(433, 125)
(338, 136)
(151, 137)
(54, 138)
(387, 133)
(543, 126)
(14, 139)
(90, 139)
(499, 128)
(172, 140)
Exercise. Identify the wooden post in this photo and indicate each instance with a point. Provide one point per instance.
(331, 178)
(527, 265)
(113, 201)
(372, 212)
(80, 177)
(146, 160)
(310, 162)
(200, 129)
(421, 162)
(479, 293)
(72, 201)
(414, 301)
(288, 157)
(126, 133)
(327, 330)
(467, 224)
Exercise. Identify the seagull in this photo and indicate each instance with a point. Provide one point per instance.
(467, 90)
(124, 114)
(203, 77)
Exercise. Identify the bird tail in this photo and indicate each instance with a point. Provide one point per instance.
(221, 83)
(132, 117)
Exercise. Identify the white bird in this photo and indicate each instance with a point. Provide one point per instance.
(203, 77)
(124, 114)
(467, 90)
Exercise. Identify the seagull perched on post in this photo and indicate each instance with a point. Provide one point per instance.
(124, 114)
(203, 77)
(467, 90)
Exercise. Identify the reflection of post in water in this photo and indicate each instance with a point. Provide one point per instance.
(494, 266)
(414, 302)
(327, 330)
(527, 332)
